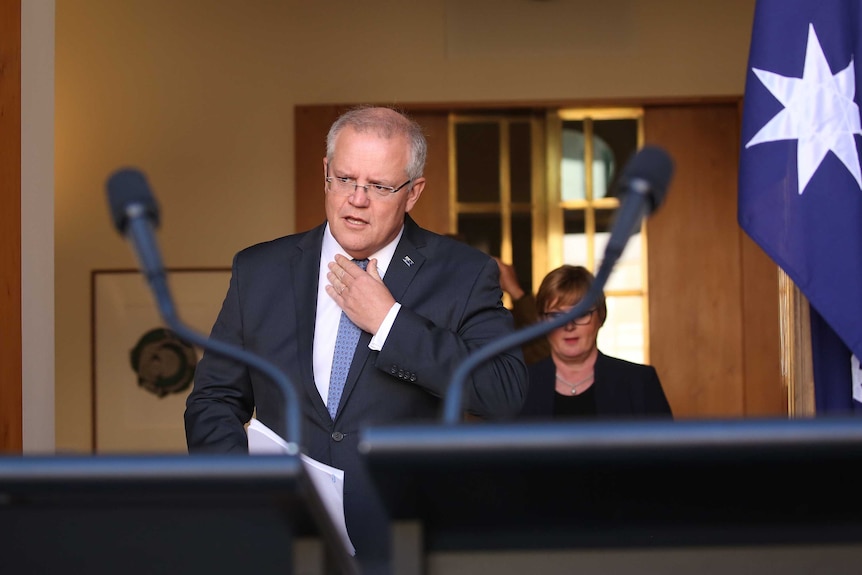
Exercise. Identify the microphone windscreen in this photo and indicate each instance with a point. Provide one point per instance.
(653, 165)
(128, 187)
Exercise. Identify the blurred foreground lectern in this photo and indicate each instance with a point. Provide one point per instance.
(615, 486)
(160, 514)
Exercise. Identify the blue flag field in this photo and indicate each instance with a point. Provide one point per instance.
(800, 180)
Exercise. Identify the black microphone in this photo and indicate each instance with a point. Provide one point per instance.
(642, 187)
(136, 215)
(643, 184)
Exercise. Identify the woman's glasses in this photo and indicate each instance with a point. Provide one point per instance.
(580, 320)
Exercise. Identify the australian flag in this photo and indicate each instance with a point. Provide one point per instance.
(800, 181)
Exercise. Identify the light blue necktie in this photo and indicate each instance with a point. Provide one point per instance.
(345, 346)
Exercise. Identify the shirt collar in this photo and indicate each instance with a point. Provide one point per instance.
(383, 256)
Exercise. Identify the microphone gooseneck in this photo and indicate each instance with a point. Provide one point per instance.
(135, 214)
(643, 184)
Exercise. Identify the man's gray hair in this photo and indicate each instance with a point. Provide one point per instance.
(386, 123)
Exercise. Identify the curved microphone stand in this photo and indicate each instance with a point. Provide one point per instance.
(136, 214)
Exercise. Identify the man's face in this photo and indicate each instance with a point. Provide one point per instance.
(362, 221)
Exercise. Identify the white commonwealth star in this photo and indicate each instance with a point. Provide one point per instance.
(819, 111)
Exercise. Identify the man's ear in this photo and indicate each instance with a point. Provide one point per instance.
(414, 193)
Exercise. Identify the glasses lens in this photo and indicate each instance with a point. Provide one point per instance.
(347, 187)
(382, 191)
(580, 320)
(584, 319)
(342, 186)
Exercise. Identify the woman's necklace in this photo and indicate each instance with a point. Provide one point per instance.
(574, 386)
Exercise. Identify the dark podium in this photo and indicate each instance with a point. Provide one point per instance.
(612, 485)
(160, 514)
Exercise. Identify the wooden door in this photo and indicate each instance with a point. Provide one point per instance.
(714, 326)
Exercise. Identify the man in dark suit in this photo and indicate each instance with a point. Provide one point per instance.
(423, 304)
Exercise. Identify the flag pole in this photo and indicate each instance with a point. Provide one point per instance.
(797, 372)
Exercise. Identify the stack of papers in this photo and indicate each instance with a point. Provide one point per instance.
(328, 480)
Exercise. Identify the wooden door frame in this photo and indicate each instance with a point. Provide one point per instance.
(11, 417)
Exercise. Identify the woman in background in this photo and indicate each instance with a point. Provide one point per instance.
(578, 380)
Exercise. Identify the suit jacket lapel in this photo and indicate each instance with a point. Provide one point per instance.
(405, 263)
(608, 399)
(407, 260)
(306, 267)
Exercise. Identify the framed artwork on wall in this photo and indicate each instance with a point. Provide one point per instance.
(141, 371)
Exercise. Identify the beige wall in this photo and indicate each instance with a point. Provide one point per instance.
(200, 94)
(37, 217)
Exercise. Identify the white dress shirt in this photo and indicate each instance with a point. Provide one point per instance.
(328, 313)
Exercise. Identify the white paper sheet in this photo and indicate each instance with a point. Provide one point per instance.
(328, 480)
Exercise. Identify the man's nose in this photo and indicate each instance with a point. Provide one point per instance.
(360, 196)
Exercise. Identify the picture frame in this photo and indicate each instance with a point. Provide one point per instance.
(141, 372)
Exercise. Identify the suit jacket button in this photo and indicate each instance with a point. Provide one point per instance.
(337, 436)
(413, 377)
(393, 370)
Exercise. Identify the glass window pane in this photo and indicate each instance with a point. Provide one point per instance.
(522, 250)
(603, 168)
(575, 238)
(619, 140)
(627, 274)
(520, 161)
(573, 176)
(623, 333)
(482, 231)
(628, 271)
(478, 162)
(573, 183)
(605, 219)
